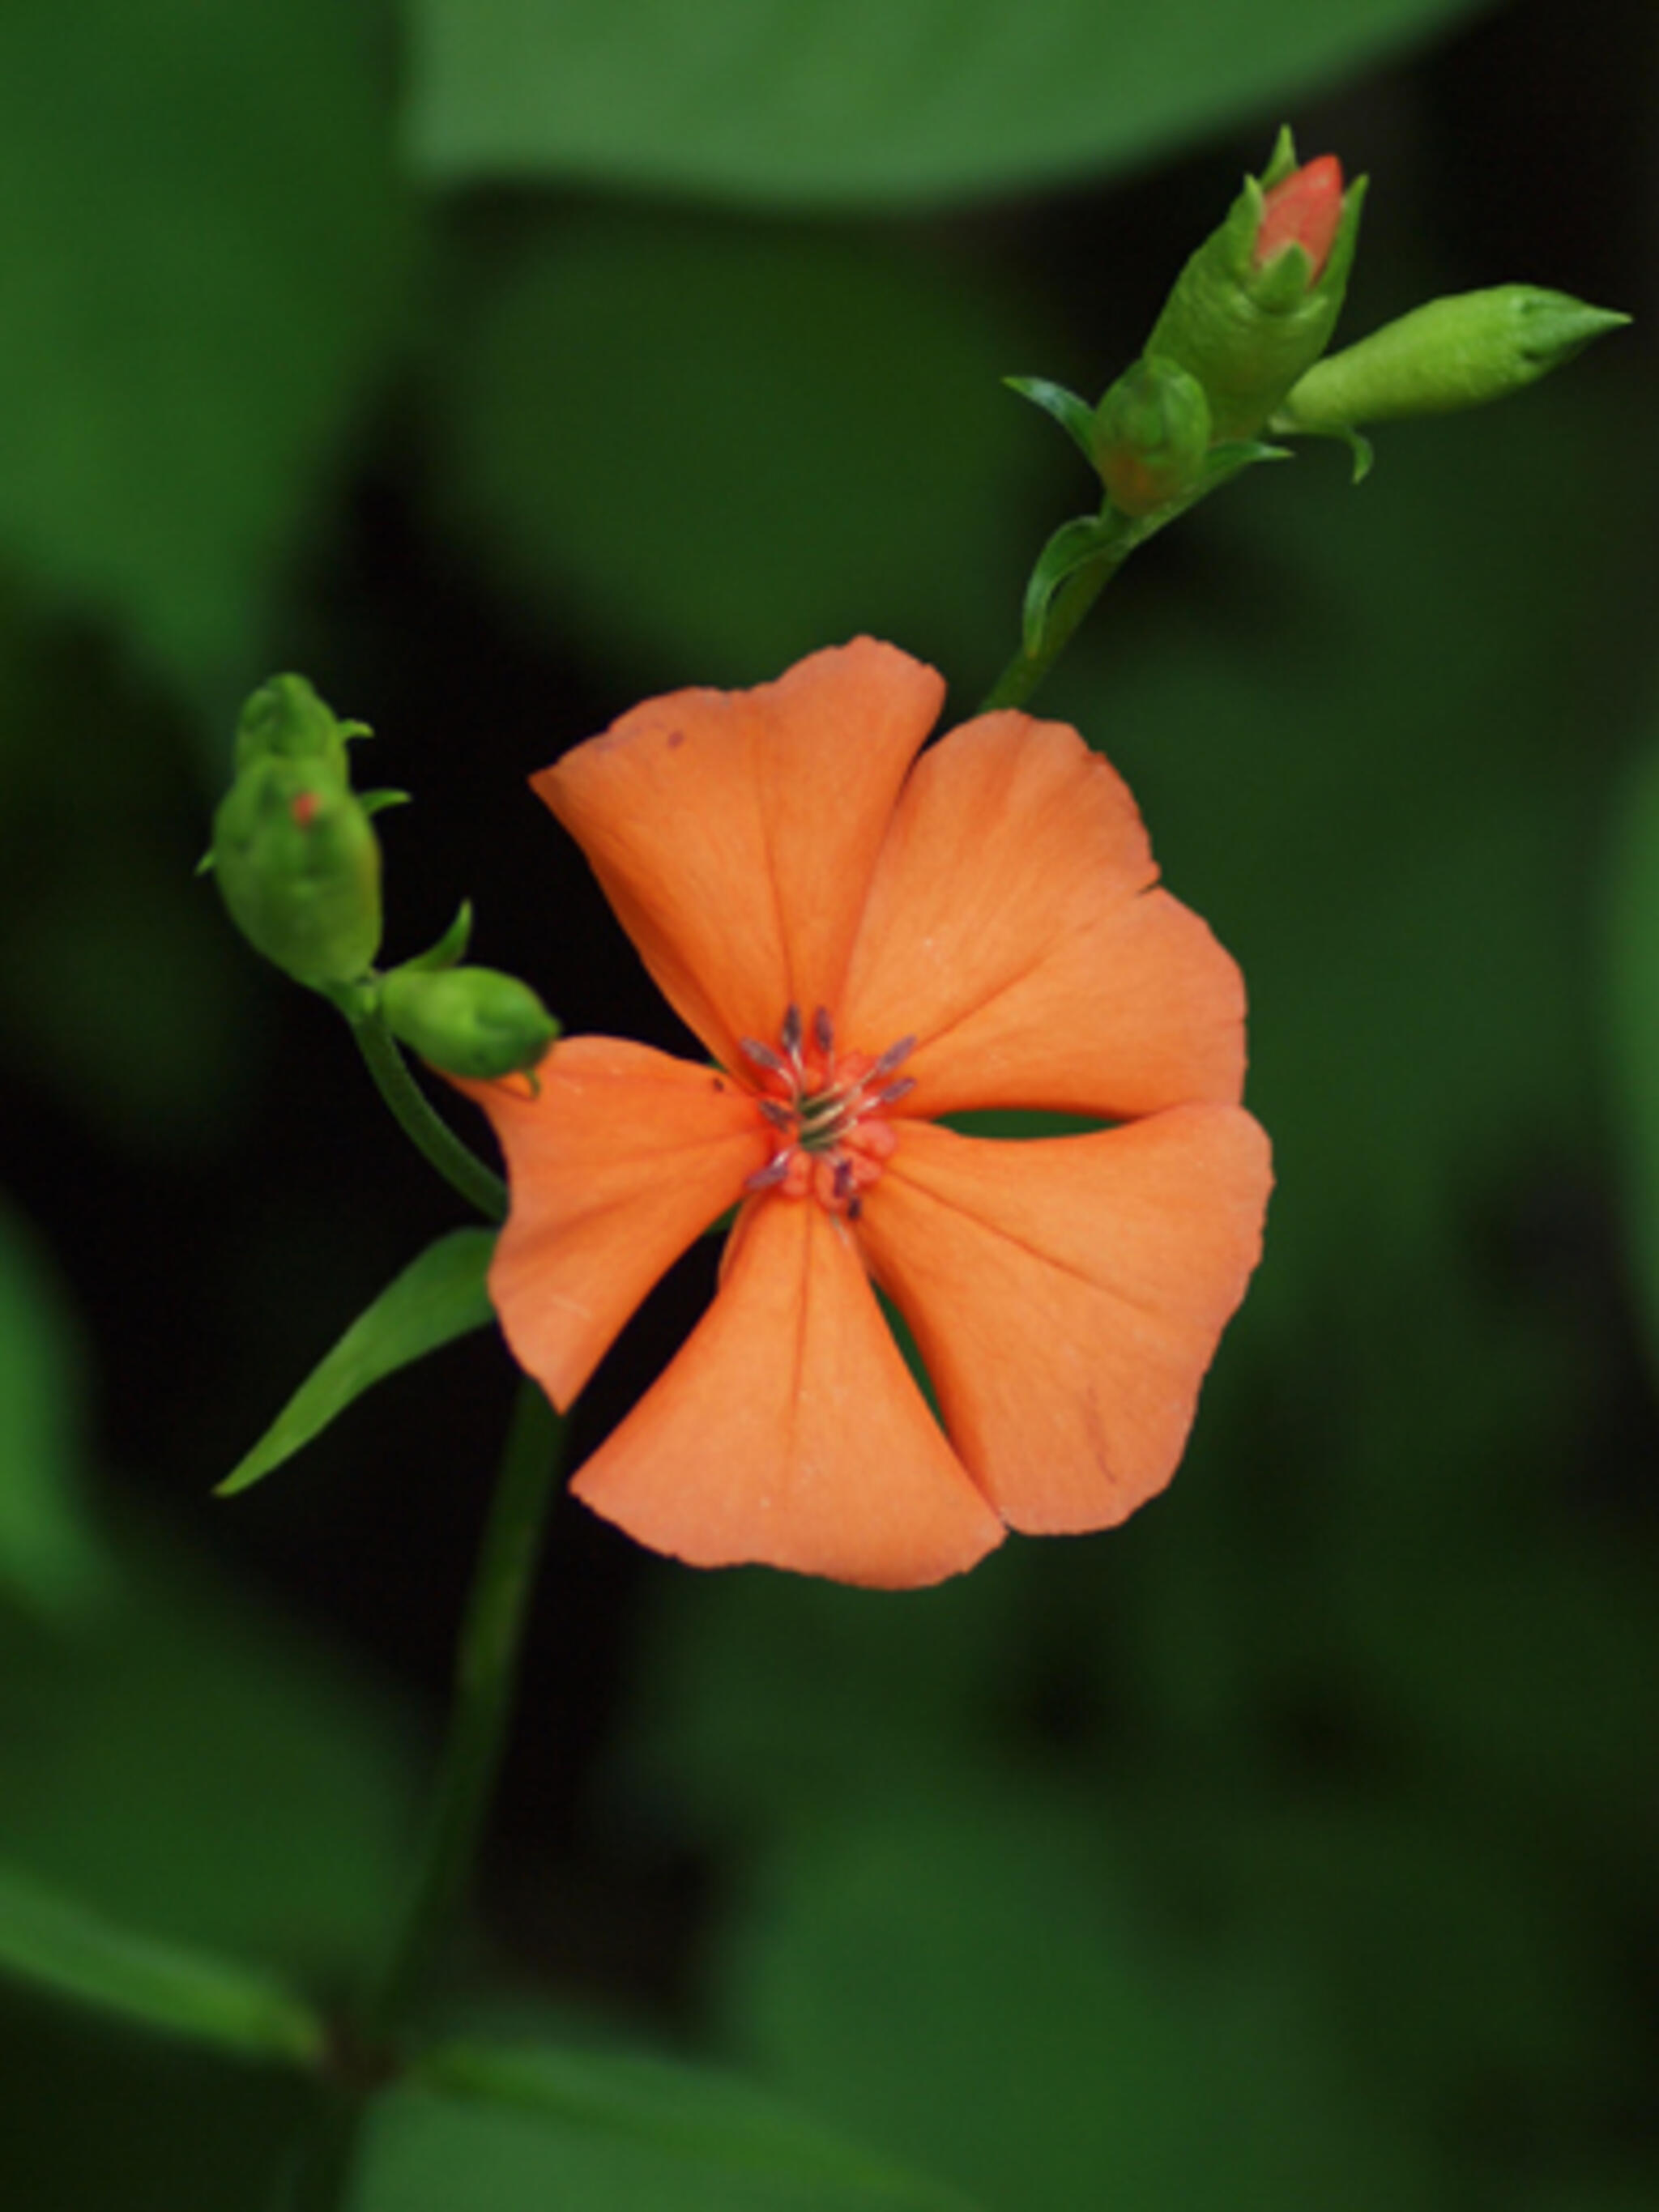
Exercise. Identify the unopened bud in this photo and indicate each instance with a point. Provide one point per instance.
(285, 718)
(469, 1021)
(1151, 432)
(1255, 305)
(1304, 209)
(299, 867)
(1460, 352)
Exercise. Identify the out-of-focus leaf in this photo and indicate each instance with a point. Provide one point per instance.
(437, 1297)
(50, 1559)
(205, 278)
(974, 1984)
(1631, 998)
(730, 447)
(53, 1943)
(690, 2111)
(98, 2115)
(188, 1767)
(604, 2135)
(884, 102)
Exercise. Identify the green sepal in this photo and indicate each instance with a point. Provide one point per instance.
(1248, 333)
(474, 1022)
(1074, 415)
(299, 868)
(1462, 350)
(436, 1299)
(450, 948)
(1073, 546)
(1224, 462)
(376, 802)
(56, 1944)
(1361, 453)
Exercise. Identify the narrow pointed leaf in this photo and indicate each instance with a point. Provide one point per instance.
(1072, 546)
(1075, 416)
(437, 1297)
(56, 1944)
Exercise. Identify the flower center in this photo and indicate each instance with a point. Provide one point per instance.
(827, 1112)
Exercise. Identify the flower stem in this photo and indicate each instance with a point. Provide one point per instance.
(486, 1672)
(486, 1657)
(457, 1163)
(1021, 678)
(1072, 601)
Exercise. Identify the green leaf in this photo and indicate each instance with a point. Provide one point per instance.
(188, 1764)
(974, 1979)
(626, 2136)
(49, 1558)
(58, 1945)
(1630, 1000)
(687, 2111)
(644, 441)
(1072, 546)
(870, 102)
(436, 1299)
(1075, 416)
(209, 276)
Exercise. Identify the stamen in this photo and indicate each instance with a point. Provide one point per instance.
(827, 1112)
(890, 1059)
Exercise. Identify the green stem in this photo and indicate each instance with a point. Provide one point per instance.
(486, 1674)
(457, 1163)
(487, 1658)
(1072, 601)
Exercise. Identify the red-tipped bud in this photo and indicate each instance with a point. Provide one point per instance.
(1303, 210)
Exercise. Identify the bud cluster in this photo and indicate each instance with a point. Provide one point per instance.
(1239, 348)
(298, 865)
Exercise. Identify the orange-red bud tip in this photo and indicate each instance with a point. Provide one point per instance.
(303, 807)
(1303, 210)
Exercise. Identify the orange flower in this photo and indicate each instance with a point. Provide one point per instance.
(864, 941)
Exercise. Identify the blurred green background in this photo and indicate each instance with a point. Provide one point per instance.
(497, 362)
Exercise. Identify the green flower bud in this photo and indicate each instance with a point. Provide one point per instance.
(1151, 432)
(470, 1021)
(1456, 352)
(299, 868)
(1255, 305)
(287, 720)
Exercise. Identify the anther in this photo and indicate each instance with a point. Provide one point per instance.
(791, 1031)
(770, 1177)
(763, 1056)
(823, 1033)
(891, 1093)
(890, 1059)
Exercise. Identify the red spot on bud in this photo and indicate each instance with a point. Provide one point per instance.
(1303, 210)
(303, 808)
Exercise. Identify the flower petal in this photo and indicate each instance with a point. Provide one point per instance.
(1012, 927)
(1067, 1295)
(734, 832)
(788, 1431)
(622, 1158)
